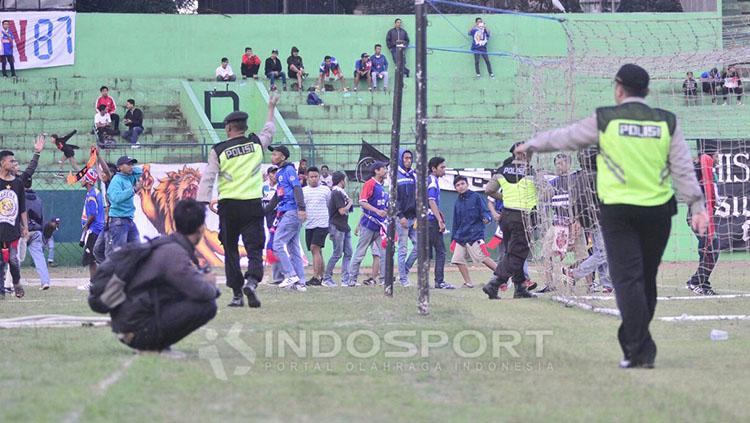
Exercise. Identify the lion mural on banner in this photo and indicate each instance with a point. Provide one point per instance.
(158, 198)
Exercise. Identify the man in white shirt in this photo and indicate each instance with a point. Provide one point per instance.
(102, 123)
(224, 72)
(316, 226)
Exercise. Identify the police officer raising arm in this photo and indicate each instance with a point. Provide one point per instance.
(237, 163)
(642, 155)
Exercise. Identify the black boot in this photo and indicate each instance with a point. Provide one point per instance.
(249, 291)
(522, 292)
(491, 290)
(236, 300)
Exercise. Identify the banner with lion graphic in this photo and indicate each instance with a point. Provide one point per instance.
(166, 184)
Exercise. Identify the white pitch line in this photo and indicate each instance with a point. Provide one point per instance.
(102, 386)
(704, 318)
(667, 298)
(733, 291)
(583, 306)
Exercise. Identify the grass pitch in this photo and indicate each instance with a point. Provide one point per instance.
(84, 374)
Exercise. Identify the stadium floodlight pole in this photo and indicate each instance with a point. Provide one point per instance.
(398, 93)
(423, 238)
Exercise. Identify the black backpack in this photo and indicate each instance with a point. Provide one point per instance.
(110, 284)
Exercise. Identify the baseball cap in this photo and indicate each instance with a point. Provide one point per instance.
(275, 51)
(632, 76)
(126, 160)
(363, 55)
(280, 148)
(272, 168)
(337, 177)
(513, 147)
(235, 116)
(378, 164)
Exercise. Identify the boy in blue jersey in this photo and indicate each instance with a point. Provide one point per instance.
(290, 213)
(374, 202)
(436, 221)
(92, 219)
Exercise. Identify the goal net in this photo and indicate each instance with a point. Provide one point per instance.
(565, 233)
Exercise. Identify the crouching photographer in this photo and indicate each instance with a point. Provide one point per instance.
(156, 292)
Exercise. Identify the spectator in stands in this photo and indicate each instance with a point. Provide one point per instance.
(330, 70)
(295, 68)
(34, 245)
(302, 172)
(106, 100)
(224, 72)
(715, 84)
(121, 194)
(732, 84)
(250, 64)
(339, 207)
(362, 68)
(6, 54)
(103, 124)
(316, 225)
(379, 68)
(325, 177)
(690, 89)
(92, 219)
(470, 214)
(68, 150)
(479, 38)
(134, 122)
(185, 294)
(49, 239)
(397, 36)
(274, 71)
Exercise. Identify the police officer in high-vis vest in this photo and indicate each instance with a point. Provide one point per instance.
(237, 162)
(642, 155)
(514, 186)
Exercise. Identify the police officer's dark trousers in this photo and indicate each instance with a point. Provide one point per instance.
(242, 218)
(635, 238)
(516, 248)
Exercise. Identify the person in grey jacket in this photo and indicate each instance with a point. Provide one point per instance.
(642, 156)
(171, 295)
(397, 36)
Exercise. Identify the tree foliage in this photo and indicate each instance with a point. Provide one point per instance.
(133, 6)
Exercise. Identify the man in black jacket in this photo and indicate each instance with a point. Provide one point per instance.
(170, 296)
(134, 122)
(397, 36)
(273, 70)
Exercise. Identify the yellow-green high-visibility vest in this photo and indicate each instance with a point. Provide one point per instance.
(519, 191)
(632, 165)
(240, 176)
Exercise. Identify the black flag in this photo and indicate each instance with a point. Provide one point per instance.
(367, 156)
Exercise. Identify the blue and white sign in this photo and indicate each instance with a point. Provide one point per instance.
(40, 39)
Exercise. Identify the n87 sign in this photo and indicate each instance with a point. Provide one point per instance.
(42, 39)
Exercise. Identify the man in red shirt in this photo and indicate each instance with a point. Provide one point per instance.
(250, 64)
(108, 101)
